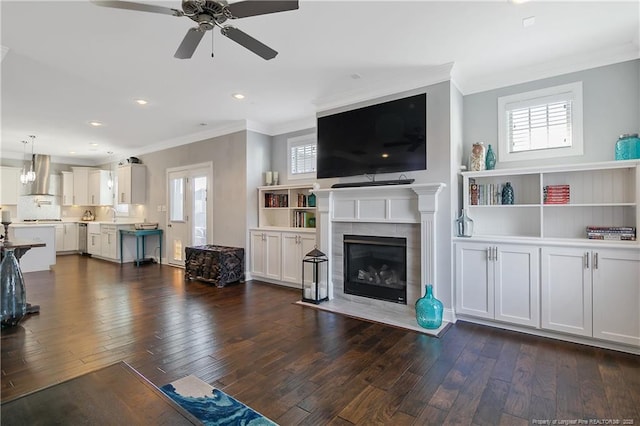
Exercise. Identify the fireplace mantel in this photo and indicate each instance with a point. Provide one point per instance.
(378, 205)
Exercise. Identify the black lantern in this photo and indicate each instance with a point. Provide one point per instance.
(314, 291)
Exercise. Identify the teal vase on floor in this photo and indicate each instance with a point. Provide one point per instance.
(429, 310)
(13, 298)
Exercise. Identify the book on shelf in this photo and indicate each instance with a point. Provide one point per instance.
(612, 233)
(556, 194)
(488, 194)
(271, 199)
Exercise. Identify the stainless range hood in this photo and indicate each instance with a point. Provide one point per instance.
(41, 165)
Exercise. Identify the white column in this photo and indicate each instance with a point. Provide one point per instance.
(324, 233)
(428, 206)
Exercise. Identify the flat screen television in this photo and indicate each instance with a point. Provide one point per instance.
(382, 138)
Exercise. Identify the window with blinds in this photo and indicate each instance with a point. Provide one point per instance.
(543, 123)
(302, 157)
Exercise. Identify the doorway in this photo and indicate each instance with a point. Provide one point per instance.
(189, 209)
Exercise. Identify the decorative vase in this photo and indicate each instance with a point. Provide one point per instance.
(628, 147)
(507, 194)
(311, 200)
(490, 161)
(464, 225)
(14, 301)
(429, 310)
(477, 160)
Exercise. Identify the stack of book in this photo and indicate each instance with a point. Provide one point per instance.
(612, 233)
(556, 194)
(276, 200)
(301, 219)
(484, 194)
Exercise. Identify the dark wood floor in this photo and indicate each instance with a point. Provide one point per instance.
(298, 365)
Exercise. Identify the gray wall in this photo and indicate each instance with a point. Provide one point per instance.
(279, 156)
(611, 107)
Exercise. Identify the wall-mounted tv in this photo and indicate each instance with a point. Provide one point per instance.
(382, 138)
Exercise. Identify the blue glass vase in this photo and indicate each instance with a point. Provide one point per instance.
(13, 298)
(490, 160)
(507, 194)
(429, 310)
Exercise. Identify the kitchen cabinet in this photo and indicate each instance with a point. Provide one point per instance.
(9, 185)
(592, 292)
(67, 188)
(498, 282)
(265, 254)
(109, 242)
(99, 192)
(294, 247)
(94, 244)
(66, 237)
(81, 186)
(132, 182)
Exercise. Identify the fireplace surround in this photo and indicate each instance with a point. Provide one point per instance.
(402, 211)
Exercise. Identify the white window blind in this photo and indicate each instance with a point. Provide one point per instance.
(540, 126)
(303, 158)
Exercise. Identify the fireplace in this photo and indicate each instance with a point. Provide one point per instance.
(376, 267)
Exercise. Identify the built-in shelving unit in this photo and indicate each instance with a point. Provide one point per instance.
(601, 194)
(286, 206)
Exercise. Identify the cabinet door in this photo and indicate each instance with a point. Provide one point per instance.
(70, 236)
(80, 186)
(94, 245)
(474, 280)
(59, 238)
(566, 290)
(258, 254)
(273, 255)
(124, 185)
(291, 259)
(9, 185)
(616, 295)
(517, 285)
(67, 188)
(109, 247)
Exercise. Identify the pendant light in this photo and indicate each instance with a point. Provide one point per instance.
(31, 175)
(23, 174)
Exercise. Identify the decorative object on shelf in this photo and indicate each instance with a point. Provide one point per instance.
(6, 221)
(490, 160)
(507, 194)
(311, 200)
(14, 301)
(268, 178)
(628, 147)
(477, 160)
(464, 225)
(275, 178)
(315, 291)
(429, 310)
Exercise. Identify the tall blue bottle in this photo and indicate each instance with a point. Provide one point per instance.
(429, 310)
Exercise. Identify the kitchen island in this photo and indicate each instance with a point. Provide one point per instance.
(38, 258)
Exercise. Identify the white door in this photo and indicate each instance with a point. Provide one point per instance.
(188, 212)
(474, 280)
(517, 284)
(616, 295)
(566, 290)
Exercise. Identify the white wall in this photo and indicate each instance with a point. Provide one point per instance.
(611, 107)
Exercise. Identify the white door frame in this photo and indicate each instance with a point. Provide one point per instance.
(188, 171)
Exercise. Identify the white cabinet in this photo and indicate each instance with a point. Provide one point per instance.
(94, 245)
(592, 292)
(67, 188)
(132, 182)
(498, 282)
(9, 185)
(81, 186)
(109, 242)
(266, 254)
(286, 206)
(294, 247)
(99, 192)
(66, 237)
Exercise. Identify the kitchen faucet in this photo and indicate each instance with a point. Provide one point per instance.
(114, 213)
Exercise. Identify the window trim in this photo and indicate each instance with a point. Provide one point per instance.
(297, 141)
(572, 91)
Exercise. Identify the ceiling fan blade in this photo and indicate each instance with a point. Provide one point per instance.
(249, 42)
(242, 9)
(128, 5)
(189, 43)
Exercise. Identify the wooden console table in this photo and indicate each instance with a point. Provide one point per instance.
(140, 235)
(116, 394)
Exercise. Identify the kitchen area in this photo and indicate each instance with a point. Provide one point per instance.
(77, 210)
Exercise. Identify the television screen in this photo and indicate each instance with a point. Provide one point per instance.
(382, 138)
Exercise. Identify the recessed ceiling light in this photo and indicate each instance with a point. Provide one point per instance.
(238, 96)
(72, 152)
(519, 1)
(93, 144)
(385, 155)
(527, 22)
(95, 123)
(141, 102)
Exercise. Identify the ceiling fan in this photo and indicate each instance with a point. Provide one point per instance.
(209, 14)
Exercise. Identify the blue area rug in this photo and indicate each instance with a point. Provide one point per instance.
(212, 406)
